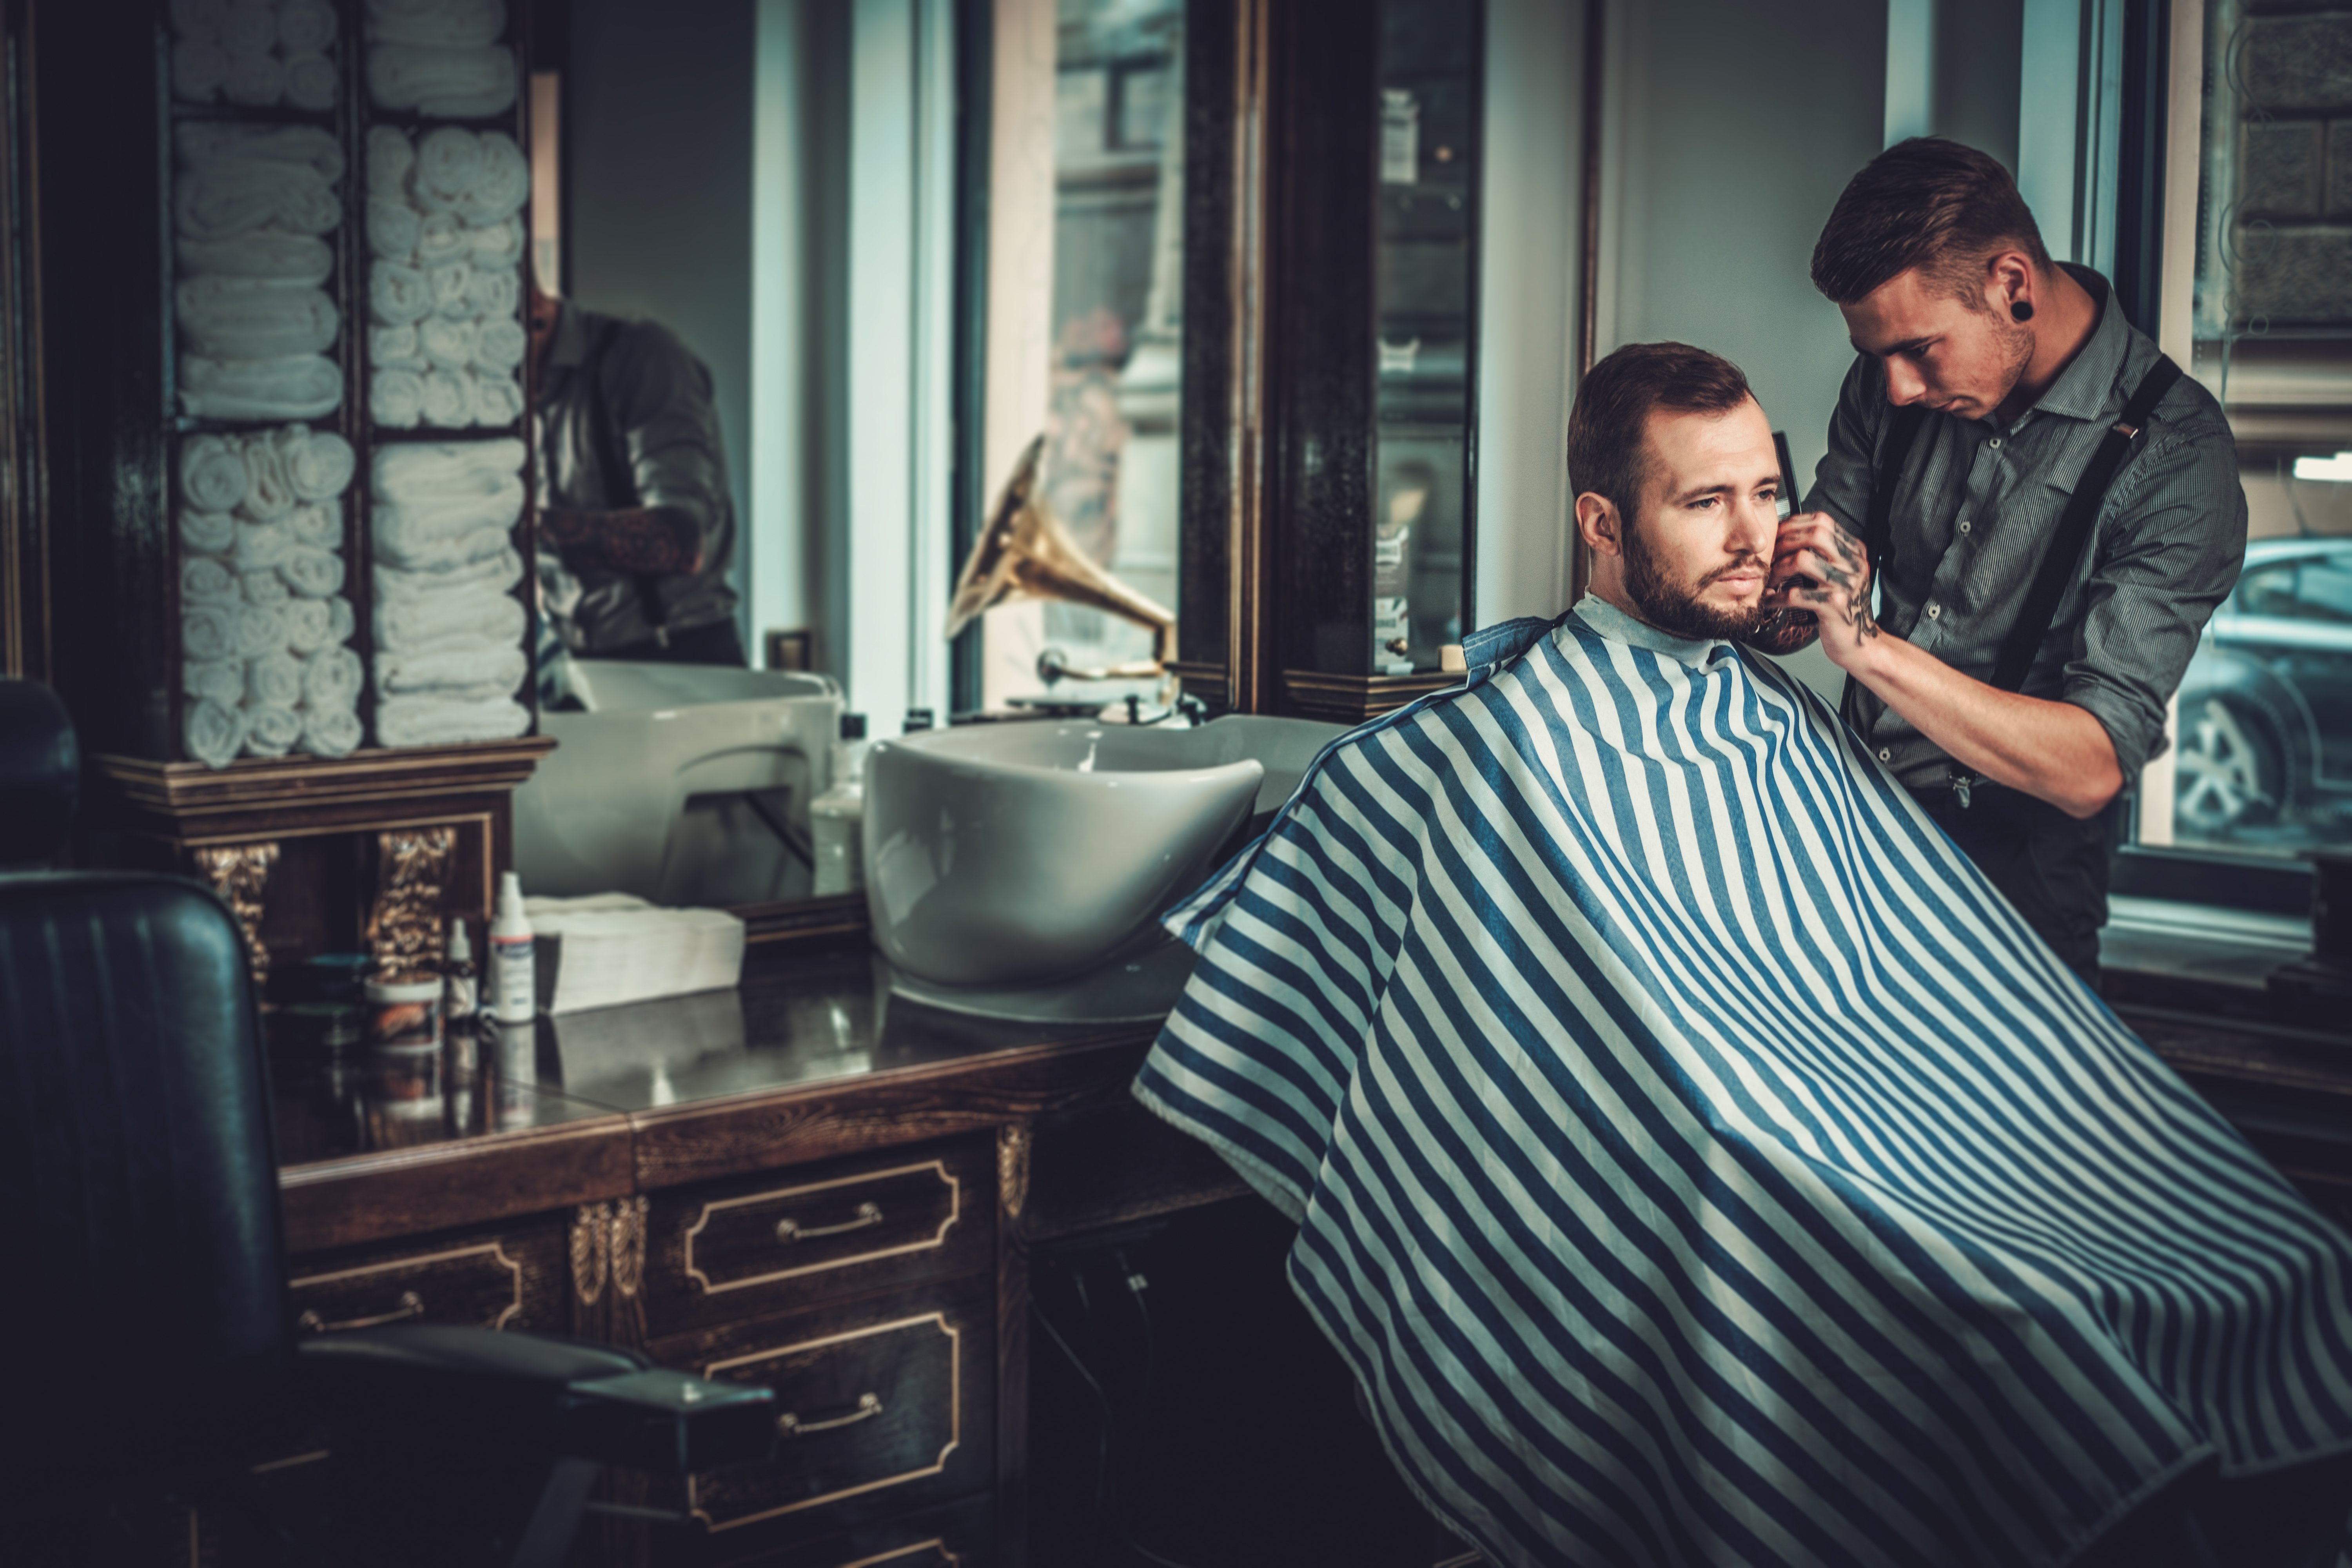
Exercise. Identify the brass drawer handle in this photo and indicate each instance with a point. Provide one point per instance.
(789, 1229)
(869, 1405)
(411, 1306)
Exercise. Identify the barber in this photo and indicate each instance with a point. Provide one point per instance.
(2047, 510)
(636, 528)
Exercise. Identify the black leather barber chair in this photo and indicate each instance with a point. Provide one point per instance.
(151, 1348)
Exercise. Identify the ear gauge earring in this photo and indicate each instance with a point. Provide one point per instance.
(2022, 310)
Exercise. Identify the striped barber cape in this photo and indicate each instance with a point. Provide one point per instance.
(1697, 1162)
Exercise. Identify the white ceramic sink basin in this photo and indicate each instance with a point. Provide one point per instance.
(659, 787)
(1016, 853)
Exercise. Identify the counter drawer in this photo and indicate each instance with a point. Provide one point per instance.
(961, 1536)
(511, 1276)
(730, 1251)
(882, 1408)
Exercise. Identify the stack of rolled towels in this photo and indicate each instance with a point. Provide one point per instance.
(445, 277)
(250, 205)
(441, 59)
(448, 629)
(255, 53)
(263, 624)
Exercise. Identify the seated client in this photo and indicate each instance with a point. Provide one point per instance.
(1695, 1158)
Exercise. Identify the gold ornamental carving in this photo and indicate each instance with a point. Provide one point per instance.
(591, 1252)
(404, 932)
(239, 873)
(1013, 1167)
(626, 1231)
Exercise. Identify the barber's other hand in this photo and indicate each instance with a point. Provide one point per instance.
(1818, 565)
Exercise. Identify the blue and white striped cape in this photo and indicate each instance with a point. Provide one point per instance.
(1696, 1160)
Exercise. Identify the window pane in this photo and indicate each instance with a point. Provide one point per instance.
(2264, 757)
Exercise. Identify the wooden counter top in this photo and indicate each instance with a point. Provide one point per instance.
(809, 1057)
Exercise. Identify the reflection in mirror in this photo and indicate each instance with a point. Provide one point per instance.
(1110, 462)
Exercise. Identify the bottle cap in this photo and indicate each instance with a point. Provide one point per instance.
(510, 892)
(461, 947)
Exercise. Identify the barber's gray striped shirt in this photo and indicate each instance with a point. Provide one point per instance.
(1976, 509)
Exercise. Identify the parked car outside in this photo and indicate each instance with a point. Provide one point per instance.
(2265, 738)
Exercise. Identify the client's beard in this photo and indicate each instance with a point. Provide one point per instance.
(1676, 607)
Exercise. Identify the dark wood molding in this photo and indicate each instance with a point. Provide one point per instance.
(411, 1191)
(1352, 699)
(371, 776)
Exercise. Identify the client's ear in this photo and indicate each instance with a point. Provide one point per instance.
(1597, 523)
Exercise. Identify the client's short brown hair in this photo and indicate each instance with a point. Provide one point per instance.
(1928, 203)
(1606, 427)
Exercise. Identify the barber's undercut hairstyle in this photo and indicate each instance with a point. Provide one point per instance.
(1928, 203)
(1606, 450)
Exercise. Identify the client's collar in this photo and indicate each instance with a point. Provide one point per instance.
(1605, 618)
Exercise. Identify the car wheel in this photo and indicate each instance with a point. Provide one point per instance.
(2232, 770)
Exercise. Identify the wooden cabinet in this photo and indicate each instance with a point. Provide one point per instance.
(510, 1275)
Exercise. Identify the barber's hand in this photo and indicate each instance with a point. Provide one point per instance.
(1820, 565)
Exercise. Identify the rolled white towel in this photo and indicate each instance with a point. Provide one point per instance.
(214, 679)
(429, 722)
(396, 398)
(342, 619)
(248, 28)
(260, 546)
(447, 23)
(493, 295)
(266, 589)
(212, 731)
(441, 238)
(256, 81)
(449, 281)
(312, 81)
(330, 732)
(302, 386)
(199, 69)
(310, 625)
(209, 631)
(429, 470)
(425, 554)
(442, 84)
(212, 473)
(408, 674)
(268, 494)
(392, 229)
(319, 463)
(500, 246)
(395, 348)
(501, 344)
(305, 26)
(397, 294)
(253, 318)
(448, 162)
(501, 186)
(220, 198)
(497, 503)
(319, 524)
(332, 678)
(271, 731)
(498, 397)
(199, 18)
(212, 532)
(448, 399)
(261, 253)
(447, 343)
(274, 678)
(473, 618)
(312, 573)
(500, 569)
(205, 580)
(391, 157)
(201, 141)
(258, 630)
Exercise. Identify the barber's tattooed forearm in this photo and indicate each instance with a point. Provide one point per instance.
(653, 540)
(1845, 585)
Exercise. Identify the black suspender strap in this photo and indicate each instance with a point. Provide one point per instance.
(1878, 526)
(2073, 533)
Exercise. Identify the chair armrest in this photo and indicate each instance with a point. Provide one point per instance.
(455, 1387)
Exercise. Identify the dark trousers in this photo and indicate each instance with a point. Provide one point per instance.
(718, 643)
(2052, 868)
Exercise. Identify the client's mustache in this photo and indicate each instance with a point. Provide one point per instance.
(1745, 563)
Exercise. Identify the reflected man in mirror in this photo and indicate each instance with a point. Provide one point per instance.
(636, 530)
(2046, 508)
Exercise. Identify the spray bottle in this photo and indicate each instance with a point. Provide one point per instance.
(513, 978)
